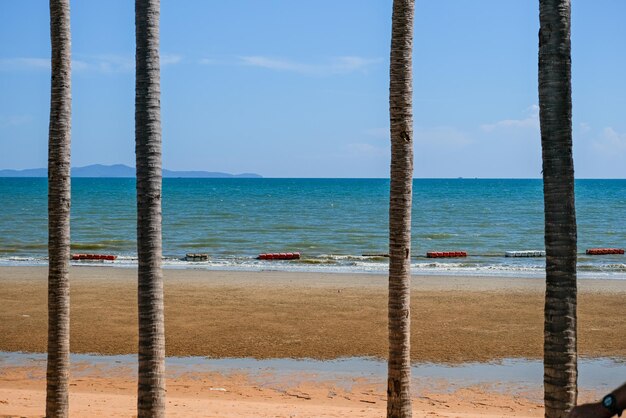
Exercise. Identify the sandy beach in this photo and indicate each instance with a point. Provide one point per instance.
(266, 315)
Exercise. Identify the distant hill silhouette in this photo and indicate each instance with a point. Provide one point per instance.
(121, 170)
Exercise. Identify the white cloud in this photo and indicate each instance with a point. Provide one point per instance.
(78, 65)
(17, 64)
(105, 64)
(367, 150)
(351, 63)
(99, 63)
(611, 143)
(584, 127)
(530, 122)
(170, 59)
(275, 64)
(110, 64)
(338, 65)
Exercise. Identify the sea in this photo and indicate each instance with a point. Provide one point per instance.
(338, 225)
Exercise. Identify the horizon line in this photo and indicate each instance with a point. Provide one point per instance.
(234, 177)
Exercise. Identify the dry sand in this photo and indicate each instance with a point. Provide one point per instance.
(279, 315)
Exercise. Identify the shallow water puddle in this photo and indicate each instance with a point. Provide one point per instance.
(514, 376)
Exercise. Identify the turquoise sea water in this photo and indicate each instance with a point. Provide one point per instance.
(332, 222)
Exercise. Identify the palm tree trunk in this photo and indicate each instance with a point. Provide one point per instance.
(151, 385)
(400, 199)
(555, 106)
(59, 198)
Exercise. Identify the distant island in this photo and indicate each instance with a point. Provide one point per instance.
(121, 170)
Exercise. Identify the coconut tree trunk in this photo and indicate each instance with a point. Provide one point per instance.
(59, 212)
(555, 110)
(400, 197)
(151, 385)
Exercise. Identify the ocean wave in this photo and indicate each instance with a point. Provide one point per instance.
(104, 243)
(203, 244)
(336, 263)
(88, 246)
(23, 246)
(315, 261)
(618, 267)
(342, 257)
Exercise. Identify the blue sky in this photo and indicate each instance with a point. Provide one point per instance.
(290, 88)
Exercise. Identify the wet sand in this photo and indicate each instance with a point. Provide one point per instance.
(296, 315)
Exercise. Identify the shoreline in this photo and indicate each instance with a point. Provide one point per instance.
(453, 267)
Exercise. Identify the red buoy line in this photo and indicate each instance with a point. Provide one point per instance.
(429, 254)
(604, 251)
(446, 254)
(279, 256)
(108, 257)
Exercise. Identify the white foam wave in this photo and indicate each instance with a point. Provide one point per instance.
(330, 263)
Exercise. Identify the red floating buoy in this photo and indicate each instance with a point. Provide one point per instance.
(279, 256)
(604, 251)
(108, 257)
(446, 254)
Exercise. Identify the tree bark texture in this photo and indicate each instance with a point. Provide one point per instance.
(400, 200)
(555, 110)
(57, 376)
(151, 384)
